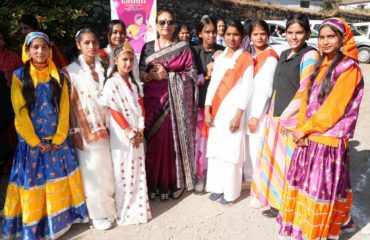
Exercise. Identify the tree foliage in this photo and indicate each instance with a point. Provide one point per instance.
(328, 5)
(60, 19)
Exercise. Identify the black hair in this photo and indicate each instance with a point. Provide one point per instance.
(301, 19)
(29, 20)
(181, 26)
(259, 23)
(326, 83)
(28, 89)
(160, 12)
(82, 31)
(247, 24)
(236, 24)
(203, 23)
(112, 24)
(220, 19)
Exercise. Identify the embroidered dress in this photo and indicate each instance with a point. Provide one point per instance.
(170, 115)
(45, 194)
(264, 67)
(317, 201)
(124, 101)
(277, 147)
(230, 90)
(95, 158)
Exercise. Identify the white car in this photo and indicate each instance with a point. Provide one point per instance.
(280, 38)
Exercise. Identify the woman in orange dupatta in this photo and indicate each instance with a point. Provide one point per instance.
(227, 98)
(318, 197)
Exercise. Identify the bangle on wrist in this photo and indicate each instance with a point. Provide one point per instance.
(74, 131)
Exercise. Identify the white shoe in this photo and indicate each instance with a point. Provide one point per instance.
(102, 224)
(255, 203)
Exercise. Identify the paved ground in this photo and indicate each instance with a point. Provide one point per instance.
(195, 217)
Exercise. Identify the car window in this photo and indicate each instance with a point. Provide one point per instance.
(314, 33)
(363, 29)
(354, 30)
(316, 27)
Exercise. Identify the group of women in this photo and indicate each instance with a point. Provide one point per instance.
(209, 116)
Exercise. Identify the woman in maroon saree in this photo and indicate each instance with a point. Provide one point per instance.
(170, 100)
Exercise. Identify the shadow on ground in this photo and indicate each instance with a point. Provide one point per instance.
(360, 179)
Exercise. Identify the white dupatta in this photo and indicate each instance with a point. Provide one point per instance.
(118, 96)
(88, 91)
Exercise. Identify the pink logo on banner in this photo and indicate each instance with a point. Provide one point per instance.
(139, 17)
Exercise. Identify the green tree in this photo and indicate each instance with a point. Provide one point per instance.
(328, 5)
(60, 19)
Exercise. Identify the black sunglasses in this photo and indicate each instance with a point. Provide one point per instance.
(163, 22)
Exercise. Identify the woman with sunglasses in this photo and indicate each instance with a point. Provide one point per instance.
(170, 93)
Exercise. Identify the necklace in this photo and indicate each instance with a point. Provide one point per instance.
(96, 74)
(159, 44)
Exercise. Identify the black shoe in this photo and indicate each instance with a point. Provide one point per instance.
(270, 213)
(215, 196)
(224, 202)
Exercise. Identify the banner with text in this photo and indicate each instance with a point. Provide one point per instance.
(139, 17)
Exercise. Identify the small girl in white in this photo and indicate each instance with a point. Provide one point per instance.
(122, 95)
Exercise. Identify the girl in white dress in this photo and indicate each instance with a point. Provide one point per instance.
(89, 131)
(265, 61)
(227, 97)
(122, 95)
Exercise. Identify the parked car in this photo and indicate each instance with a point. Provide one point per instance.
(363, 27)
(276, 24)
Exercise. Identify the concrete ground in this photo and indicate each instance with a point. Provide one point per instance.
(195, 217)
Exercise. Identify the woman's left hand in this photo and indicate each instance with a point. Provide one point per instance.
(234, 124)
(161, 73)
(298, 135)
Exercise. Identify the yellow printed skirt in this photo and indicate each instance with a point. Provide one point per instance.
(45, 194)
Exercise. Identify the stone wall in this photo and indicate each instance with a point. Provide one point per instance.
(190, 11)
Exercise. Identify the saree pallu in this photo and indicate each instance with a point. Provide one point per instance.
(273, 162)
(170, 115)
(318, 197)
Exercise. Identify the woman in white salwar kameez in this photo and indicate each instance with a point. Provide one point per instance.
(227, 97)
(122, 95)
(265, 61)
(89, 131)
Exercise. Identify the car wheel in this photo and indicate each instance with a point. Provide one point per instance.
(364, 54)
